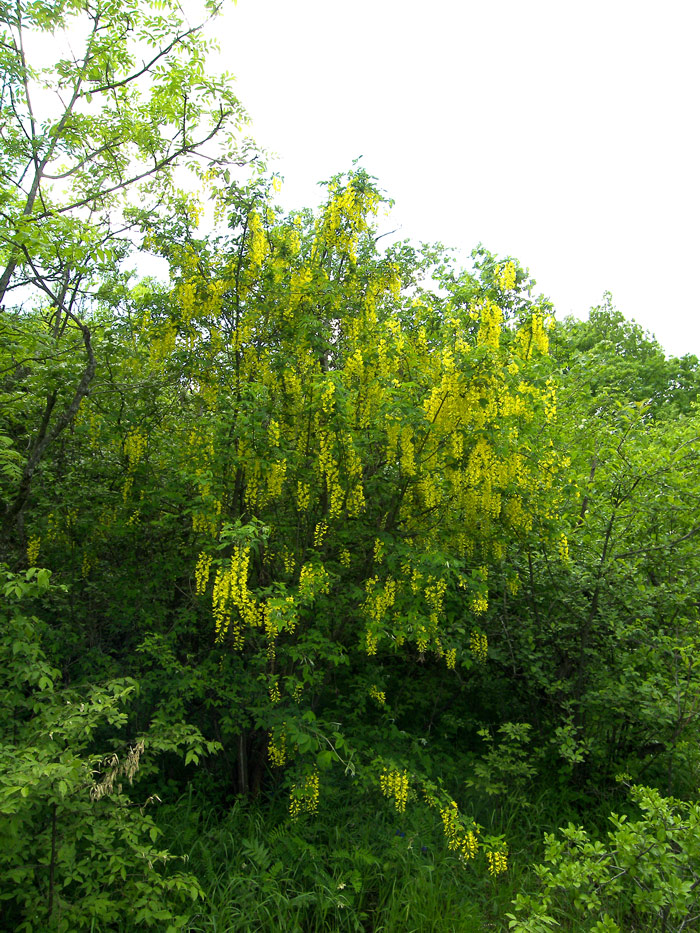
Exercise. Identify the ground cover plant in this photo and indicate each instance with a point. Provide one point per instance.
(334, 575)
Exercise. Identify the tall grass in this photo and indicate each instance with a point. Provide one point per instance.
(381, 872)
(355, 867)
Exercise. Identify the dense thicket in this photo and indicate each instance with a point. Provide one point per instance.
(330, 535)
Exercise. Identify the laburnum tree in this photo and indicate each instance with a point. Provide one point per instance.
(306, 478)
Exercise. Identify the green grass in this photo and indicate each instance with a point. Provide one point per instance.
(383, 872)
(356, 867)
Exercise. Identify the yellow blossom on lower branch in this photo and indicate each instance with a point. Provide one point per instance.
(563, 548)
(497, 861)
(33, 546)
(274, 691)
(462, 834)
(395, 784)
(480, 602)
(377, 695)
(201, 572)
(277, 747)
(303, 798)
(371, 642)
(460, 838)
(479, 646)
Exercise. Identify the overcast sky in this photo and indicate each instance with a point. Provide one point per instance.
(562, 133)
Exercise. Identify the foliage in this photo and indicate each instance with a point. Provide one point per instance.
(648, 871)
(400, 555)
(74, 850)
(351, 867)
(89, 148)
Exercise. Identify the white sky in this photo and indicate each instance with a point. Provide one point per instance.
(562, 133)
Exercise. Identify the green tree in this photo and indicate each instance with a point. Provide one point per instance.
(89, 148)
(609, 360)
(313, 472)
(603, 641)
(75, 851)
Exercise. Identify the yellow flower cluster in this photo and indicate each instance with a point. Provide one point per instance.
(356, 496)
(393, 432)
(232, 601)
(517, 516)
(273, 433)
(274, 692)
(434, 596)
(355, 367)
(303, 496)
(479, 602)
(320, 532)
(539, 334)
(313, 581)
(451, 658)
(422, 638)
(377, 695)
(490, 320)
(378, 601)
(258, 248)
(194, 210)
(274, 481)
(459, 839)
(277, 747)
(94, 431)
(329, 469)
(344, 218)
(304, 797)
(278, 614)
(186, 294)
(33, 546)
(289, 561)
(505, 276)
(200, 452)
(395, 784)
(299, 288)
(513, 583)
(498, 862)
(479, 646)
(563, 548)
(201, 572)
(549, 400)
(328, 397)
(207, 524)
(135, 446)
(408, 461)
(209, 393)
(532, 337)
